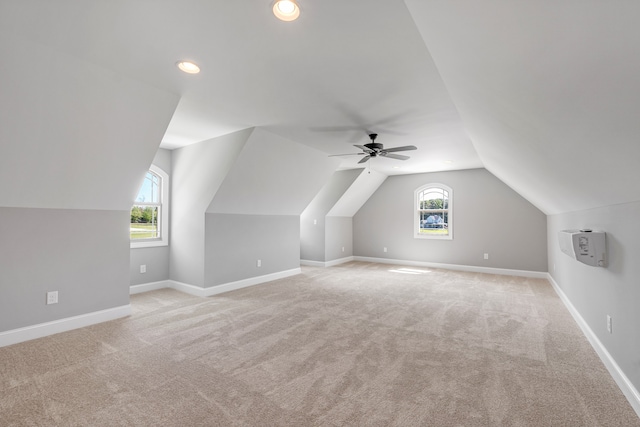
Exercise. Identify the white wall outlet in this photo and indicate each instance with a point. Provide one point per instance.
(259, 263)
(385, 249)
(52, 297)
(609, 324)
(343, 249)
(315, 221)
(143, 268)
(486, 256)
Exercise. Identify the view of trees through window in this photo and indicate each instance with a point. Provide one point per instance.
(145, 213)
(433, 210)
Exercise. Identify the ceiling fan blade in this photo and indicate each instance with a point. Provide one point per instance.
(395, 156)
(364, 159)
(403, 148)
(365, 149)
(347, 154)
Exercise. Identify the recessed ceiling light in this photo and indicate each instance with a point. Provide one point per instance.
(286, 10)
(188, 67)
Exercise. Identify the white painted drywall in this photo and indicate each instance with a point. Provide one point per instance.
(272, 176)
(74, 135)
(198, 171)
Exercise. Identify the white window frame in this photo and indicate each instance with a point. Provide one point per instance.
(417, 211)
(163, 214)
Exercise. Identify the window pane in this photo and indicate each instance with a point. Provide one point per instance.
(150, 190)
(144, 222)
(433, 211)
(433, 198)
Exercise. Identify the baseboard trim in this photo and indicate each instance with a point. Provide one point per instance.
(327, 263)
(151, 286)
(40, 330)
(213, 290)
(310, 263)
(627, 388)
(469, 268)
(339, 261)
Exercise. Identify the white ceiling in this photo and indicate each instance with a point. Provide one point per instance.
(542, 94)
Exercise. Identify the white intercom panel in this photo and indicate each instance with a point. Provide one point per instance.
(587, 246)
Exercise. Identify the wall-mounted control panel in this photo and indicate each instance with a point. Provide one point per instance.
(587, 246)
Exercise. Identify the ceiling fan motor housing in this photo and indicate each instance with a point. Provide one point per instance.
(376, 146)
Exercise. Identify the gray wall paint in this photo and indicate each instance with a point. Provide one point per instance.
(489, 218)
(156, 259)
(338, 235)
(198, 170)
(313, 236)
(234, 243)
(596, 292)
(83, 254)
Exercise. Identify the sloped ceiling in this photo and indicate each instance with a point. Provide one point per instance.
(73, 135)
(272, 176)
(548, 91)
(542, 94)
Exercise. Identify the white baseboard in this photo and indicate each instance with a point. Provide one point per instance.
(326, 264)
(470, 268)
(213, 290)
(627, 388)
(40, 330)
(310, 263)
(339, 261)
(151, 286)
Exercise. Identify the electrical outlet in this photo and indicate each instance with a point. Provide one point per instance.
(52, 297)
(384, 249)
(343, 249)
(609, 324)
(486, 256)
(143, 268)
(259, 263)
(315, 222)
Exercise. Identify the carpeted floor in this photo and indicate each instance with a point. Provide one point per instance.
(355, 345)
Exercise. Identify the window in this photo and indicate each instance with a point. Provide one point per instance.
(434, 208)
(149, 214)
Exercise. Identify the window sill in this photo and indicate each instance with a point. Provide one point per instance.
(148, 244)
(434, 237)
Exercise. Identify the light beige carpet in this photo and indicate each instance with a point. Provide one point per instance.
(354, 345)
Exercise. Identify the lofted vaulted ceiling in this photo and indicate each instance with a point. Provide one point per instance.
(545, 95)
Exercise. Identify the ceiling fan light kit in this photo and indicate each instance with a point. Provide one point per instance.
(286, 10)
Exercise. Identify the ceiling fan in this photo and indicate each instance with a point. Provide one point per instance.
(375, 149)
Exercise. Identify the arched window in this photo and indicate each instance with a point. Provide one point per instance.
(433, 212)
(149, 214)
